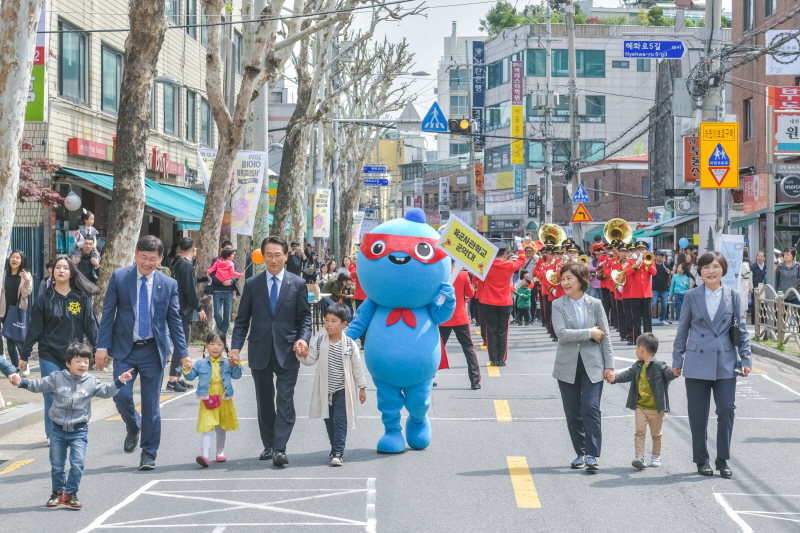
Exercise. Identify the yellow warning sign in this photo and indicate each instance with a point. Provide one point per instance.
(581, 215)
(719, 155)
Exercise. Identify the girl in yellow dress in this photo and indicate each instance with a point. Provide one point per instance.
(215, 390)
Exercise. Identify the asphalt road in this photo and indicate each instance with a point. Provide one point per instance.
(498, 462)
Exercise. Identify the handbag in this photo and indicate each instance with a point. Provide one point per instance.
(15, 325)
(213, 402)
(736, 340)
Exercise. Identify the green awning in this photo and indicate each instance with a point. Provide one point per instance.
(752, 218)
(590, 233)
(184, 205)
(645, 233)
(531, 226)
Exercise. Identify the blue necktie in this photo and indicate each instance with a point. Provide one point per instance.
(144, 310)
(273, 294)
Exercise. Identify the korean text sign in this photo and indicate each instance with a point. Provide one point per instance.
(467, 247)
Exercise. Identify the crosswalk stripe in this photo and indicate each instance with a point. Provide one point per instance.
(522, 481)
(502, 410)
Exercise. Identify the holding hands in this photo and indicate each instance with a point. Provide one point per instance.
(608, 375)
(187, 365)
(126, 376)
(15, 380)
(676, 372)
(301, 348)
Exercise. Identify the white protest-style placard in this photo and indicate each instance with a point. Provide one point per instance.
(467, 248)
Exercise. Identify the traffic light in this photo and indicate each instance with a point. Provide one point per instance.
(460, 126)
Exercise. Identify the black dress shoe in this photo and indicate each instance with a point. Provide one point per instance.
(266, 454)
(279, 459)
(724, 470)
(131, 442)
(476, 386)
(147, 462)
(501, 363)
(705, 469)
(187, 386)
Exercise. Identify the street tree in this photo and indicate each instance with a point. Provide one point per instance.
(18, 22)
(369, 97)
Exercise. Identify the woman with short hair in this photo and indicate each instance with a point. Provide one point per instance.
(705, 353)
(584, 358)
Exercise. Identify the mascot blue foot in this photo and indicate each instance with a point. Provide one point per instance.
(418, 433)
(392, 442)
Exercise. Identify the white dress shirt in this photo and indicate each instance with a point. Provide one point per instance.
(579, 306)
(270, 282)
(713, 298)
(149, 278)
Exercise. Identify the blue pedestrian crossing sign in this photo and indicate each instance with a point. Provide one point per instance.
(719, 158)
(580, 195)
(434, 120)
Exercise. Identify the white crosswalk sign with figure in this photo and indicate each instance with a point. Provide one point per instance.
(580, 195)
(434, 119)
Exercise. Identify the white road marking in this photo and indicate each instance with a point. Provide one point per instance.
(103, 517)
(625, 359)
(219, 529)
(732, 514)
(177, 397)
(371, 516)
(779, 384)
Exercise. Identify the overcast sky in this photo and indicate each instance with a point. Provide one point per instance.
(425, 35)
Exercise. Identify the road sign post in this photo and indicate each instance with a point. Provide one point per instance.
(581, 215)
(580, 195)
(373, 169)
(434, 120)
(719, 155)
(654, 49)
(376, 182)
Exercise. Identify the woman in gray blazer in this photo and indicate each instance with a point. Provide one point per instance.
(583, 359)
(705, 355)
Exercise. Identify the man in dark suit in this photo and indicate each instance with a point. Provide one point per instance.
(139, 304)
(276, 303)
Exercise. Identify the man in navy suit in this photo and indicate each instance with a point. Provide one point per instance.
(275, 303)
(139, 304)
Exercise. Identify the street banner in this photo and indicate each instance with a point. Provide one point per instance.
(519, 181)
(787, 133)
(479, 179)
(691, 159)
(247, 180)
(322, 212)
(784, 98)
(358, 219)
(478, 74)
(444, 190)
(732, 248)
(467, 248)
(755, 193)
(517, 114)
(36, 109)
(273, 196)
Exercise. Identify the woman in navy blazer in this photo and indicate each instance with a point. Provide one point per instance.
(704, 353)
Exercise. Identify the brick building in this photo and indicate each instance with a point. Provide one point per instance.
(749, 83)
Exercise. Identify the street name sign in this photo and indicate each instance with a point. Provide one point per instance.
(374, 169)
(581, 215)
(719, 155)
(677, 193)
(434, 120)
(580, 195)
(467, 248)
(376, 182)
(654, 49)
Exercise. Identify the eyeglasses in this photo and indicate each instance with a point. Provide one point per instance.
(270, 257)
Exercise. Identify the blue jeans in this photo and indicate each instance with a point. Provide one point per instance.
(661, 295)
(336, 423)
(47, 368)
(524, 314)
(223, 304)
(593, 292)
(678, 305)
(60, 442)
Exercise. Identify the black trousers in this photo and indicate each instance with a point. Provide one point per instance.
(642, 319)
(550, 318)
(482, 322)
(543, 307)
(605, 297)
(626, 319)
(464, 338)
(581, 401)
(175, 363)
(497, 335)
(275, 403)
(698, 396)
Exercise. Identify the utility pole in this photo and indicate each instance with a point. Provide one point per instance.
(711, 111)
(574, 120)
(473, 186)
(548, 126)
(770, 244)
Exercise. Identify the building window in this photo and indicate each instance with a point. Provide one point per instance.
(498, 116)
(458, 80)
(620, 64)
(535, 157)
(111, 80)
(459, 148)
(408, 201)
(494, 75)
(769, 7)
(153, 108)
(535, 63)
(170, 109)
(646, 186)
(595, 105)
(590, 63)
(203, 31)
(237, 51)
(191, 105)
(597, 187)
(458, 105)
(191, 17)
(73, 63)
(642, 65)
(748, 119)
(565, 198)
(172, 9)
(205, 123)
(749, 14)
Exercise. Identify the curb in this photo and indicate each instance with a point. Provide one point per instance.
(771, 353)
(17, 417)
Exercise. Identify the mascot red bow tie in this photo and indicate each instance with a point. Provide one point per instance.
(406, 314)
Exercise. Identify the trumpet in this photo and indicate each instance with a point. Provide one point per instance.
(583, 259)
(648, 258)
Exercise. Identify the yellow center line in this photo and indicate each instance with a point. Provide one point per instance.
(14, 466)
(139, 407)
(521, 480)
(493, 371)
(483, 347)
(502, 410)
(758, 371)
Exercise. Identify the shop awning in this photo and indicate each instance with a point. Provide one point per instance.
(531, 226)
(676, 221)
(590, 233)
(645, 233)
(184, 205)
(752, 218)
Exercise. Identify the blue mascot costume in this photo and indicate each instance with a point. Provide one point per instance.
(403, 274)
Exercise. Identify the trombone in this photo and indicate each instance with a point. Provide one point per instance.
(648, 258)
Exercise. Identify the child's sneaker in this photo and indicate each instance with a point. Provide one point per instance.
(71, 501)
(638, 462)
(655, 461)
(221, 459)
(202, 461)
(337, 460)
(55, 499)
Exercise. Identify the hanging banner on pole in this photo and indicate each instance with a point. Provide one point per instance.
(468, 248)
(247, 180)
(322, 212)
(517, 114)
(358, 219)
(478, 74)
(36, 109)
(732, 248)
